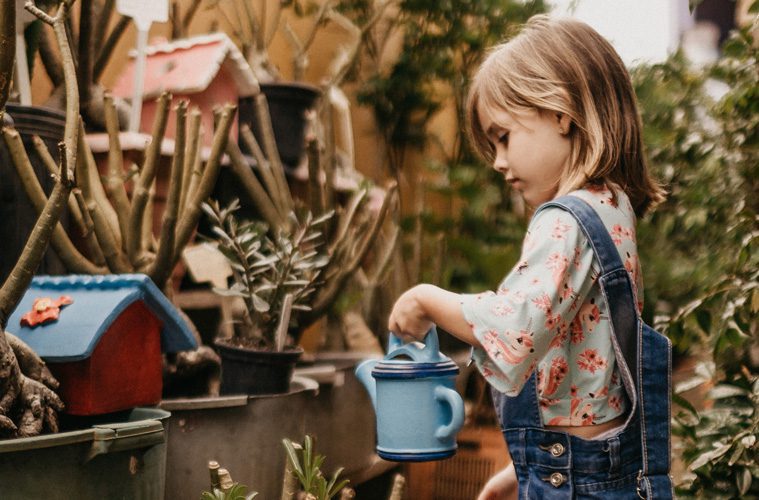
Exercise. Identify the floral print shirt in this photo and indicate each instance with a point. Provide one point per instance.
(549, 314)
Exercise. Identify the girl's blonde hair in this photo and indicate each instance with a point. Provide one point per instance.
(565, 66)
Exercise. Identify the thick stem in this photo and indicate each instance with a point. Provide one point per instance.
(69, 75)
(114, 179)
(265, 168)
(70, 256)
(107, 49)
(141, 191)
(7, 51)
(192, 152)
(315, 192)
(96, 206)
(190, 217)
(160, 269)
(88, 233)
(253, 187)
(84, 57)
(76, 207)
(328, 293)
(49, 58)
(270, 147)
(21, 275)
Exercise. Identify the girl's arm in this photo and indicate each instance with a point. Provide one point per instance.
(419, 307)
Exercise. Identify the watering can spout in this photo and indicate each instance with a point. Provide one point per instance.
(364, 375)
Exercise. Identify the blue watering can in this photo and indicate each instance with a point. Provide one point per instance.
(418, 410)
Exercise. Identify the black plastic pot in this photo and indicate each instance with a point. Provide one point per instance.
(288, 103)
(253, 371)
(16, 211)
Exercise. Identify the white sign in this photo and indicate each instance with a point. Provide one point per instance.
(144, 12)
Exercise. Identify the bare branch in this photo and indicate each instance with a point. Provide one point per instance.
(88, 228)
(35, 247)
(52, 168)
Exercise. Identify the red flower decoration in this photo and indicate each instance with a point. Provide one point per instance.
(45, 310)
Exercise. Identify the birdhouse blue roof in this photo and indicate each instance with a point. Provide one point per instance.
(97, 303)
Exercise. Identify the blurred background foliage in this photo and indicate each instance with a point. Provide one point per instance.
(699, 254)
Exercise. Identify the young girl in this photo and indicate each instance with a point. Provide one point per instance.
(580, 384)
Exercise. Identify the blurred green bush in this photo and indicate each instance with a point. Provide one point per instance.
(700, 259)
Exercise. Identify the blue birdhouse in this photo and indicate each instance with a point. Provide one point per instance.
(102, 337)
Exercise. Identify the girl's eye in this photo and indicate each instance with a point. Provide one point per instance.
(503, 138)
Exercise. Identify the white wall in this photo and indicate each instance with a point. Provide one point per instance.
(640, 30)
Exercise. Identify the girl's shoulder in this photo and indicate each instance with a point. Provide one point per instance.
(606, 198)
(609, 201)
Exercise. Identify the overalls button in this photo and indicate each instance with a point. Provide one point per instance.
(557, 449)
(557, 479)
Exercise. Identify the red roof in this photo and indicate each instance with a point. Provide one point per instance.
(188, 66)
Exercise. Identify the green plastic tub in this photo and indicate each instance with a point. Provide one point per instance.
(124, 460)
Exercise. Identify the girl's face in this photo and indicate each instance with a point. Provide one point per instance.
(532, 149)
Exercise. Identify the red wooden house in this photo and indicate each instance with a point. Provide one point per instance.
(206, 70)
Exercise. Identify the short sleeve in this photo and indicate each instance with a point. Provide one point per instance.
(533, 308)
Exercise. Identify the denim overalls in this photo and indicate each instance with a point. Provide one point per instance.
(633, 463)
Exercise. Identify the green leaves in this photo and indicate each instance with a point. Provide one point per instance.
(307, 468)
(236, 492)
(700, 257)
(266, 269)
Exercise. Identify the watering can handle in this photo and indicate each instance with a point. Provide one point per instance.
(430, 353)
(452, 398)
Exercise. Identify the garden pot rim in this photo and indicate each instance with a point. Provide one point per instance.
(298, 384)
(286, 350)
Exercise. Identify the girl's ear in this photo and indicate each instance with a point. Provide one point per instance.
(564, 122)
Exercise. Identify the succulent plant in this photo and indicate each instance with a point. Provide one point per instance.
(274, 275)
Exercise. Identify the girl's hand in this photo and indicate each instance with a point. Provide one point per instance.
(502, 486)
(408, 319)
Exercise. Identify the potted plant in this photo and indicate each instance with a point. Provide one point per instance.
(274, 276)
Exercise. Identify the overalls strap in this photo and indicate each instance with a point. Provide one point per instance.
(616, 287)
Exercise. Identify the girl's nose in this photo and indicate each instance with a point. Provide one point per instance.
(500, 164)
